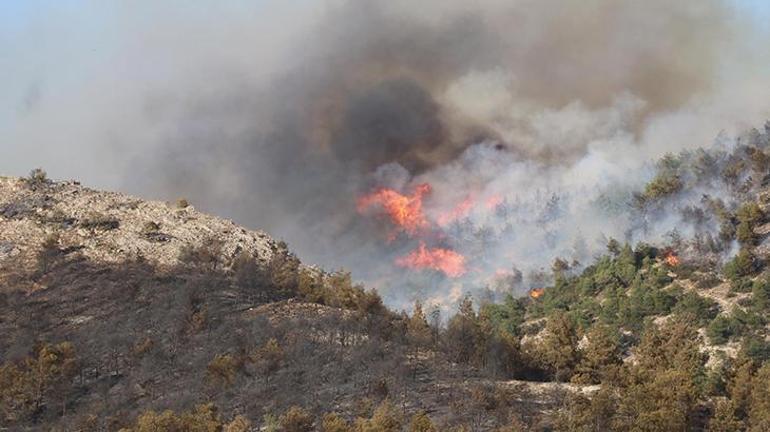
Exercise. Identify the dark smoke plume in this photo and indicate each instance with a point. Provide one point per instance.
(281, 116)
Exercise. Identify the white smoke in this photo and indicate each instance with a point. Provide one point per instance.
(279, 114)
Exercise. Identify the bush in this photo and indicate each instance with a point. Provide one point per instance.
(204, 418)
(333, 422)
(385, 419)
(37, 177)
(756, 348)
(100, 222)
(222, 370)
(421, 423)
(760, 295)
(296, 419)
(701, 308)
(742, 265)
(723, 328)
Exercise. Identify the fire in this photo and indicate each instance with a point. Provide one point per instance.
(536, 292)
(405, 211)
(493, 202)
(671, 259)
(458, 212)
(447, 261)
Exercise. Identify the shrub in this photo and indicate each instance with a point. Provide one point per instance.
(204, 418)
(421, 423)
(222, 370)
(701, 308)
(100, 222)
(756, 348)
(48, 253)
(37, 177)
(760, 295)
(333, 422)
(384, 419)
(239, 424)
(742, 265)
(296, 419)
(723, 328)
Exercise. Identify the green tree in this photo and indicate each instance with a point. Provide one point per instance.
(601, 357)
(558, 348)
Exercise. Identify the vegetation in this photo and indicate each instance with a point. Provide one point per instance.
(228, 342)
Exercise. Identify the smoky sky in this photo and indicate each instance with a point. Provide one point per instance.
(279, 114)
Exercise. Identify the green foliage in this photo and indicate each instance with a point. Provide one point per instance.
(749, 215)
(760, 295)
(507, 316)
(756, 348)
(723, 328)
(702, 309)
(742, 265)
(662, 185)
(557, 350)
(601, 358)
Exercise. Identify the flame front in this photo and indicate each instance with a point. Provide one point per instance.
(671, 259)
(447, 261)
(405, 211)
(458, 212)
(536, 292)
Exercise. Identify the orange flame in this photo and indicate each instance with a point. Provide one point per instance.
(536, 292)
(405, 211)
(671, 259)
(447, 261)
(458, 212)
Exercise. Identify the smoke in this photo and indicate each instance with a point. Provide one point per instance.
(532, 121)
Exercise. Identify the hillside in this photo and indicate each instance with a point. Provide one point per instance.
(123, 314)
(141, 305)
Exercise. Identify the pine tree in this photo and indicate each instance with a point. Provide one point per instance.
(558, 348)
(601, 358)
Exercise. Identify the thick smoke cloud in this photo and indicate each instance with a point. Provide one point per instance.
(544, 115)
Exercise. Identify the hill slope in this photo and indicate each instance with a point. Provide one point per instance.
(111, 306)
